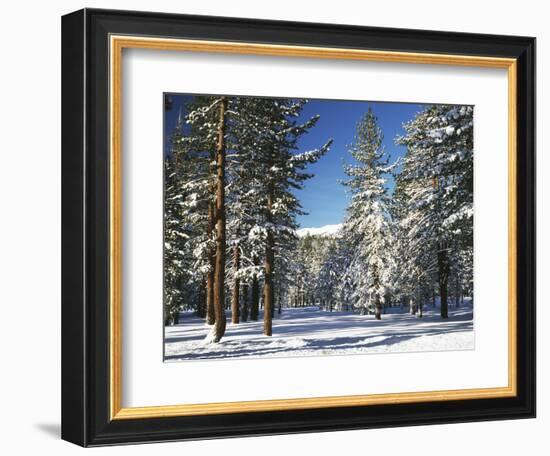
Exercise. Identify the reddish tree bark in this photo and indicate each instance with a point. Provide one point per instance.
(219, 270)
(210, 314)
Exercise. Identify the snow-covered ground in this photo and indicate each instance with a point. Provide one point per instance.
(309, 331)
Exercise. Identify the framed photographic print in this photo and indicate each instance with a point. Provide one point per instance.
(275, 227)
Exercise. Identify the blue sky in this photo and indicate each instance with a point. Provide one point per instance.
(323, 197)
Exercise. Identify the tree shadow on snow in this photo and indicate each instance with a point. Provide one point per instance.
(193, 329)
(272, 347)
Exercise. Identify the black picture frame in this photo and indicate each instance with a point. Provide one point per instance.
(85, 228)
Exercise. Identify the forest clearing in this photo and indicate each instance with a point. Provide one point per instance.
(311, 331)
(246, 271)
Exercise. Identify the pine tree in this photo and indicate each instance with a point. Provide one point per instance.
(437, 176)
(285, 172)
(367, 229)
(206, 137)
(199, 141)
(183, 225)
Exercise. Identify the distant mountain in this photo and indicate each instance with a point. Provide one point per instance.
(327, 231)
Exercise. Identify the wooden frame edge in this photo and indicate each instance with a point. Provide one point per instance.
(165, 411)
(512, 227)
(115, 214)
(116, 45)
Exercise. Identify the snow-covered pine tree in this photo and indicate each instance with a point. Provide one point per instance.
(314, 258)
(207, 117)
(254, 141)
(184, 226)
(285, 172)
(415, 268)
(328, 272)
(245, 192)
(367, 228)
(174, 248)
(263, 170)
(437, 176)
(199, 138)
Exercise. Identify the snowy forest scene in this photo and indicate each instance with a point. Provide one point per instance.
(305, 227)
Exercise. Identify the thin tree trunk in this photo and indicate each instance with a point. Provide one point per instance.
(201, 305)
(269, 260)
(210, 314)
(268, 286)
(443, 267)
(254, 305)
(219, 270)
(236, 284)
(377, 308)
(244, 313)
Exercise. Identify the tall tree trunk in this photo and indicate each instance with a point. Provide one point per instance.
(244, 313)
(268, 280)
(443, 267)
(254, 305)
(210, 314)
(377, 308)
(219, 270)
(201, 305)
(236, 284)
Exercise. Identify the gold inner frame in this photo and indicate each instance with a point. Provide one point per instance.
(117, 44)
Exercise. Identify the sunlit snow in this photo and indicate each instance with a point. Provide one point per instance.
(310, 331)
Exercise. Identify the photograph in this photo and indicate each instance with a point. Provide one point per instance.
(312, 227)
